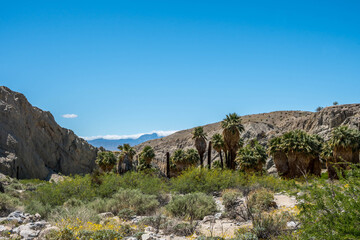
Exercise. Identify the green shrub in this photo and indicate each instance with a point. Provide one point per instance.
(73, 215)
(204, 180)
(126, 213)
(35, 206)
(7, 204)
(135, 200)
(269, 226)
(261, 199)
(192, 206)
(56, 194)
(184, 229)
(146, 183)
(230, 199)
(331, 210)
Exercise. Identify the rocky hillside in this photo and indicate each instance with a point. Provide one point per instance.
(33, 145)
(265, 126)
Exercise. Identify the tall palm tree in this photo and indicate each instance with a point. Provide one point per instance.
(200, 142)
(127, 154)
(218, 144)
(232, 127)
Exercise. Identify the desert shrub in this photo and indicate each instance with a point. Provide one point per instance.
(158, 222)
(269, 226)
(331, 210)
(7, 204)
(135, 200)
(56, 194)
(184, 229)
(126, 213)
(192, 206)
(35, 206)
(261, 199)
(74, 215)
(204, 180)
(245, 234)
(230, 199)
(91, 231)
(101, 205)
(146, 183)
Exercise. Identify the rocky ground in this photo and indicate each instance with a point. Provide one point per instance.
(19, 225)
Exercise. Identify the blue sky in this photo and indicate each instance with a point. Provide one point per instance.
(126, 67)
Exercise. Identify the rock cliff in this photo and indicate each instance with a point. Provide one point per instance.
(33, 145)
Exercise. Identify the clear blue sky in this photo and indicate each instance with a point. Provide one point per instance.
(127, 67)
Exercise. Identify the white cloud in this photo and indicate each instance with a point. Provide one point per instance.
(132, 136)
(70, 115)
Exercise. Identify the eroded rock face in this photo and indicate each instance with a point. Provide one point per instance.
(33, 145)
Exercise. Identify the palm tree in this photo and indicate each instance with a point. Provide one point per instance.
(200, 142)
(345, 145)
(252, 157)
(105, 160)
(301, 150)
(145, 158)
(279, 156)
(147, 154)
(127, 154)
(232, 128)
(181, 160)
(218, 144)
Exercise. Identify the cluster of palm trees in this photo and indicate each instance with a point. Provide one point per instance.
(297, 153)
(294, 153)
(229, 142)
(124, 158)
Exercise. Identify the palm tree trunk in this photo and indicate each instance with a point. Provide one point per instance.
(201, 160)
(209, 155)
(221, 161)
(227, 159)
(168, 165)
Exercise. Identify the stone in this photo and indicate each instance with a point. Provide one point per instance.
(33, 145)
(209, 218)
(4, 229)
(292, 224)
(146, 236)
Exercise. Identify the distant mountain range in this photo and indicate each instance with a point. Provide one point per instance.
(112, 144)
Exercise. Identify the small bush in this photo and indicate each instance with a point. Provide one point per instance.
(261, 199)
(330, 210)
(192, 206)
(35, 206)
(184, 229)
(133, 199)
(204, 180)
(74, 215)
(268, 226)
(7, 204)
(230, 199)
(126, 213)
